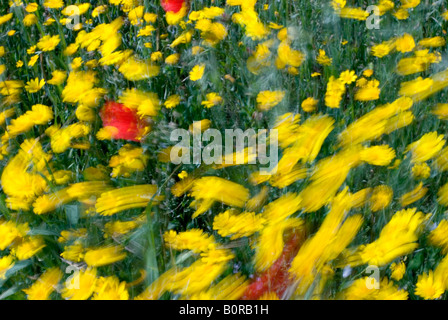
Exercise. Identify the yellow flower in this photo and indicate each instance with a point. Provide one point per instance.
(405, 43)
(432, 42)
(110, 288)
(33, 60)
(38, 115)
(49, 22)
(96, 257)
(309, 104)
(44, 285)
(288, 57)
(28, 247)
(11, 232)
(207, 190)
(174, 18)
(421, 171)
(353, 13)
(48, 43)
(134, 69)
(5, 18)
(81, 285)
(204, 123)
(196, 50)
(381, 197)
(73, 253)
(367, 73)
(347, 77)
(29, 20)
(195, 240)
(409, 4)
(269, 99)
(58, 78)
(185, 37)
(172, 101)
(338, 4)
(237, 226)
(441, 111)
(54, 4)
(19, 64)
(172, 59)
(35, 85)
(438, 237)
(156, 56)
(146, 31)
(197, 72)
(99, 10)
(6, 263)
(76, 63)
(130, 159)
(194, 279)
(213, 99)
(383, 49)
(429, 287)
(183, 174)
(71, 49)
(150, 17)
(414, 195)
(31, 50)
(335, 90)
(32, 7)
(136, 15)
(137, 196)
(426, 147)
(398, 237)
(11, 33)
(326, 244)
(119, 228)
(146, 103)
(378, 155)
(398, 270)
(387, 290)
(368, 91)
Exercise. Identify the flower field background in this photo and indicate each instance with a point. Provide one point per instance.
(92, 206)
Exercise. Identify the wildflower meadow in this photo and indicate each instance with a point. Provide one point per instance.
(223, 150)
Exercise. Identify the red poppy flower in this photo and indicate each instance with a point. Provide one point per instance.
(126, 120)
(276, 278)
(172, 5)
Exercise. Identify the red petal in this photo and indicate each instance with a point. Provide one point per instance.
(172, 5)
(124, 119)
(276, 278)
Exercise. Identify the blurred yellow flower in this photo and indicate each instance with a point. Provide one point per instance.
(172, 101)
(213, 99)
(309, 104)
(48, 42)
(197, 72)
(172, 59)
(35, 85)
(268, 99)
(32, 7)
(96, 257)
